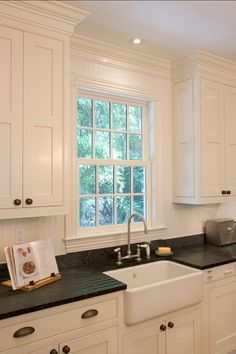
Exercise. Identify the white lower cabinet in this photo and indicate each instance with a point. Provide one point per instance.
(84, 327)
(175, 334)
(220, 317)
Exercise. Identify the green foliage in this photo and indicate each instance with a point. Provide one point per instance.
(100, 135)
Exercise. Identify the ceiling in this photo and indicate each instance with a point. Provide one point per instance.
(169, 29)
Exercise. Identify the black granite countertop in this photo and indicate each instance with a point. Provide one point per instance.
(77, 283)
(82, 274)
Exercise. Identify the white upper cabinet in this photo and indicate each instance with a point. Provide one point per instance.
(204, 125)
(11, 74)
(35, 107)
(43, 136)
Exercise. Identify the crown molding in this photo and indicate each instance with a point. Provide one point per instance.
(203, 62)
(49, 14)
(104, 53)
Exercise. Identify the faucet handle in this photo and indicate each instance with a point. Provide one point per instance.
(146, 245)
(118, 251)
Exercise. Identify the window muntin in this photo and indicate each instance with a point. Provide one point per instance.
(111, 161)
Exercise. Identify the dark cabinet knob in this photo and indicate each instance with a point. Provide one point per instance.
(17, 202)
(170, 324)
(228, 192)
(162, 327)
(66, 349)
(29, 201)
(53, 351)
(223, 192)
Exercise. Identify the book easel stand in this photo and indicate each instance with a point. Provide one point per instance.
(38, 284)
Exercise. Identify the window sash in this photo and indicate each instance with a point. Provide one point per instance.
(113, 162)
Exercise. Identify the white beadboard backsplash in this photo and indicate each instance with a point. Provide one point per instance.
(34, 229)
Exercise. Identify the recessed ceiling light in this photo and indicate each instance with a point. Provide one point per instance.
(136, 41)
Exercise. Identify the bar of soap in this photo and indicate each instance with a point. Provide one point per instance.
(164, 250)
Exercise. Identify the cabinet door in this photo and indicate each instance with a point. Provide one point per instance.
(101, 342)
(43, 156)
(222, 319)
(28, 350)
(230, 138)
(183, 334)
(212, 139)
(11, 69)
(147, 340)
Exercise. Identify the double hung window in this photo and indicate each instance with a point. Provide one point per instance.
(112, 161)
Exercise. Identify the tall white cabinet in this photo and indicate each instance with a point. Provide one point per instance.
(34, 106)
(204, 107)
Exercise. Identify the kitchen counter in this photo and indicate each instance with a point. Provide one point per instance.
(84, 281)
(205, 256)
(77, 283)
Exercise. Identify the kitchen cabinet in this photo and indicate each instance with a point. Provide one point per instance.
(219, 326)
(173, 334)
(204, 108)
(31, 141)
(34, 107)
(84, 327)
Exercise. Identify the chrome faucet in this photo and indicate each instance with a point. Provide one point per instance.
(138, 254)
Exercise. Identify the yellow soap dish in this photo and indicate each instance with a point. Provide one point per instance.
(163, 254)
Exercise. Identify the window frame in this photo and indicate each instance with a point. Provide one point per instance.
(145, 162)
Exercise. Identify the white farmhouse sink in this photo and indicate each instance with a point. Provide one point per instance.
(157, 288)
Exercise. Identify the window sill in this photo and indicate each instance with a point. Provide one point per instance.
(108, 239)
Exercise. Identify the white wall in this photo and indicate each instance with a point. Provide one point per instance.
(103, 67)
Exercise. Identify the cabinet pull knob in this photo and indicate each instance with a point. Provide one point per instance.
(17, 202)
(89, 313)
(66, 349)
(53, 351)
(24, 331)
(228, 192)
(170, 324)
(223, 192)
(29, 201)
(162, 327)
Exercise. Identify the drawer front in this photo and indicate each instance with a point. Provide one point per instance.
(47, 326)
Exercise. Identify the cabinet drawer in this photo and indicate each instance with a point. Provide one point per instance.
(47, 326)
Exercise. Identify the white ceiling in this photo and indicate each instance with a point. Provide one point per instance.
(169, 28)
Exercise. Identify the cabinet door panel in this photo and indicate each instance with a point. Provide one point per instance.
(101, 342)
(148, 340)
(223, 319)
(43, 156)
(230, 138)
(11, 65)
(212, 129)
(184, 337)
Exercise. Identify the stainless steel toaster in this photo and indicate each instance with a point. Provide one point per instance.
(221, 232)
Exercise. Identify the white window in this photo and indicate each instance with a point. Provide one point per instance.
(112, 161)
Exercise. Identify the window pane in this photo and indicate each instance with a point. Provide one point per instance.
(85, 112)
(102, 114)
(135, 147)
(106, 210)
(123, 179)
(119, 116)
(84, 143)
(120, 146)
(102, 145)
(139, 179)
(105, 180)
(123, 209)
(87, 181)
(87, 212)
(139, 206)
(135, 119)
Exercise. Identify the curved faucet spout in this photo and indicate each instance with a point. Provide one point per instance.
(129, 222)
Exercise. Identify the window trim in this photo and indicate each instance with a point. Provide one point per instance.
(116, 228)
